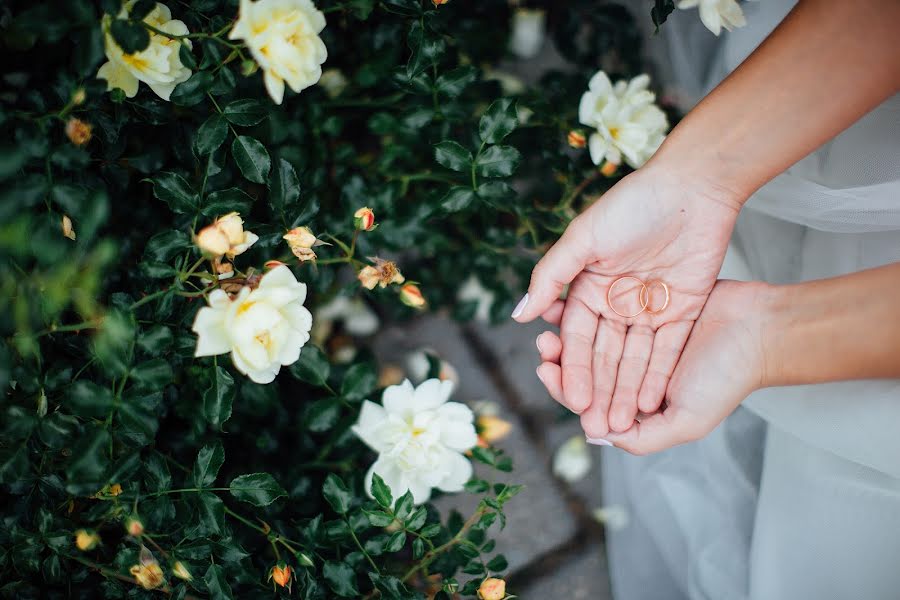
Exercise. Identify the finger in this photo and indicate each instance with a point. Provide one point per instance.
(608, 346)
(577, 332)
(656, 433)
(549, 346)
(632, 367)
(553, 315)
(668, 343)
(559, 266)
(551, 376)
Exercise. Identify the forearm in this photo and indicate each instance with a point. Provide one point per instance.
(834, 329)
(826, 65)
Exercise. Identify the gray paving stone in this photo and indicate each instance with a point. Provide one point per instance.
(530, 532)
(583, 577)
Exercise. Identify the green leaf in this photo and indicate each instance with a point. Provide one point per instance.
(497, 161)
(210, 135)
(418, 548)
(152, 375)
(426, 48)
(218, 398)
(322, 414)
(164, 246)
(245, 112)
(88, 400)
(453, 82)
(496, 193)
(660, 12)
(378, 518)
(312, 367)
(284, 186)
(341, 578)
(381, 492)
(497, 564)
(404, 505)
(359, 381)
(211, 512)
(397, 541)
(174, 191)
(89, 462)
(453, 156)
(457, 198)
(500, 119)
(226, 201)
(155, 340)
(258, 489)
(141, 9)
(217, 583)
(417, 518)
(131, 36)
(336, 493)
(186, 56)
(252, 158)
(192, 91)
(209, 461)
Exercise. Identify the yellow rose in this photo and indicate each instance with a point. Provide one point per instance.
(492, 589)
(86, 540)
(158, 65)
(283, 36)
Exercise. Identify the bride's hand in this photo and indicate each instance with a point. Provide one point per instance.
(721, 365)
(652, 225)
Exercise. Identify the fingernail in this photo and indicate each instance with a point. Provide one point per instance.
(520, 306)
(537, 342)
(598, 442)
(538, 373)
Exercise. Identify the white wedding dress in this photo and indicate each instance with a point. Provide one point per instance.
(797, 494)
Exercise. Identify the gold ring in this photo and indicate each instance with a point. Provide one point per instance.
(646, 288)
(640, 296)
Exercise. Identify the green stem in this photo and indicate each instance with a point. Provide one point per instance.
(190, 490)
(456, 539)
(360, 546)
(150, 298)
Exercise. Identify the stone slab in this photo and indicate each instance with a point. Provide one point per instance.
(584, 576)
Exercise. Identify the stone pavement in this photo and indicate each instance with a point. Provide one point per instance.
(553, 544)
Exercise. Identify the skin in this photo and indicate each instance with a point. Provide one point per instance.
(752, 335)
(672, 219)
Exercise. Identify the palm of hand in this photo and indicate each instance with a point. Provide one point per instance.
(720, 366)
(613, 366)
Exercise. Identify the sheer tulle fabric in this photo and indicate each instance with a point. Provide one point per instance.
(791, 496)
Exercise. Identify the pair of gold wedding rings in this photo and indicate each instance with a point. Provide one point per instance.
(643, 296)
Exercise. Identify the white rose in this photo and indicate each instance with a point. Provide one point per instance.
(528, 32)
(573, 460)
(263, 328)
(420, 439)
(158, 65)
(283, 36)
(473, 291)
(628, 124)
(717, 14)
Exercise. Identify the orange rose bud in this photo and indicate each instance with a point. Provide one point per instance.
(364, 219)
(491, 428)
(281, 575)
(114, 490)
(412, 296)
(609, 169)
(492, 589)
(271, 264)
(134, 526)
(79, 96)
(78, 132)
(438, 3)
(86, 539)
(576, 139)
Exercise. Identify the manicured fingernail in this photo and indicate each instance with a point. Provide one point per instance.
(538, 373)
(537, 342)
(598, 442)
(520, 306)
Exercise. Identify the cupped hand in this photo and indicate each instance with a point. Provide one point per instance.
(652, 225)
(722, 364)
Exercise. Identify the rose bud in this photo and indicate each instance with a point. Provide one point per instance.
(134, 527)
(212, 241)
(78, 132)
(609, 168)
(438, 3)
(364, 219)
(86, 539)
(181, 572)
(576, 139)
(281, 575)
(492, 589)
(78, 97)
(492, 428)
(412, 296)
(67, 229)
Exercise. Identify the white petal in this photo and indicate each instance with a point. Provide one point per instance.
(459, 472)
(212, 337)
(163, 90)
(275, 86)
(587, 109)
(711, 19)
(432, 393)
(399, 399)
(597, 146)
(600, 84)
(371, 416)
(117, 76)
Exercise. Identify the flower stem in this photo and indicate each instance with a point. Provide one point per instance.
(361, 549)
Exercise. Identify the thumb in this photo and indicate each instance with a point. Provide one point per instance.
(559, 266)
(657, 432)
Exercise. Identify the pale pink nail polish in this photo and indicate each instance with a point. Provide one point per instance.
(599, 442)
(520, 306)
(537, 342)
(538, 373)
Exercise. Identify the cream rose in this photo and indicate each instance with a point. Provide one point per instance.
(283, 36)
(263, 329)
(158, 65)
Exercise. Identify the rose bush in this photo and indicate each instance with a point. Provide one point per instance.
(242, 201)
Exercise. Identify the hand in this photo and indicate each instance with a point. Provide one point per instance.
(651, 225)
(721, 365)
